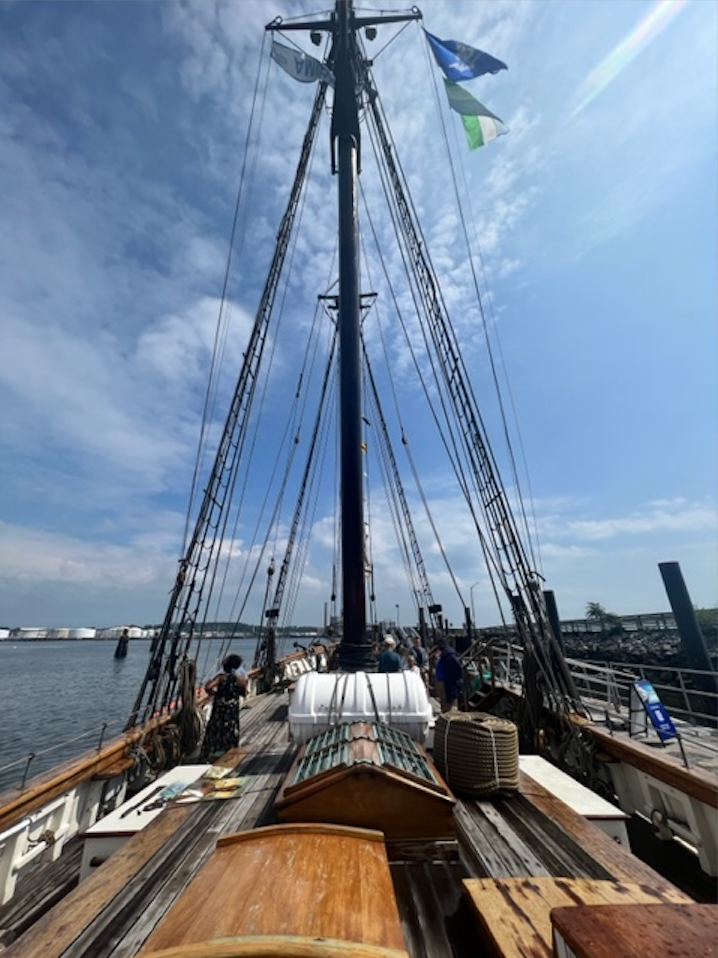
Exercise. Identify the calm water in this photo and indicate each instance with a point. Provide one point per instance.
(57, 695)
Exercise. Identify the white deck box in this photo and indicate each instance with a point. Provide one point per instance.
(320, 700)
(111, 832)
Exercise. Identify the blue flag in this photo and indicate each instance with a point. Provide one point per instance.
(459, 61)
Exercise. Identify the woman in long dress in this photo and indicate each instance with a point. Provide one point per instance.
(223, 727)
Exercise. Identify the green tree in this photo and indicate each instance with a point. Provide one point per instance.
(595, 611)
(610, 622)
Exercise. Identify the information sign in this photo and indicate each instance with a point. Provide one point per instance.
(648, 698)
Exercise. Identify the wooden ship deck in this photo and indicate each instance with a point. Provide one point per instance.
(531, 840)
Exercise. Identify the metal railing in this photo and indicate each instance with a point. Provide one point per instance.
(684, 692)
(605, 688)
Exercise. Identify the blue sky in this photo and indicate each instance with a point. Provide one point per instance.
(121, 140)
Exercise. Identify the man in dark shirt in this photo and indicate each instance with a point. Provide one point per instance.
(450, 672)
(389, 658)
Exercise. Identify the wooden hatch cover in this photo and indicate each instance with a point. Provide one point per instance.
(287, 891)
(368, 775)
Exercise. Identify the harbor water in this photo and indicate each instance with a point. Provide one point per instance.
(58, 695)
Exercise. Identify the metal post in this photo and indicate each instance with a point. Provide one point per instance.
(694, 645)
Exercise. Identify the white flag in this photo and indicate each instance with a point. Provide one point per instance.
(299, 65)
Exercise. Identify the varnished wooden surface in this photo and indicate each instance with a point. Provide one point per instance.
(515, 913)
(289, 880)
(404, 808)
(631, 931)
(315, 831)
(278, 947)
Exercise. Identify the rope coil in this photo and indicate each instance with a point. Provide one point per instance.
(477, 754)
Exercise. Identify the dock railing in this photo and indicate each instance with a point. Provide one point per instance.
(605, 688)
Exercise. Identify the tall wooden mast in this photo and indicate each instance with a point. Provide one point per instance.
(348, 66)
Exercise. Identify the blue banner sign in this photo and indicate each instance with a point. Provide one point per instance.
(655, 709)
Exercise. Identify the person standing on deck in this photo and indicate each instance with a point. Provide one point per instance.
(222, 731)
(389, 658)
(421, 656)
(449, 671)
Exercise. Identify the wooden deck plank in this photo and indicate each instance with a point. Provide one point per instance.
(435, 914)
(490, 846)
(616, 861)
(561, 856)
(514, 914)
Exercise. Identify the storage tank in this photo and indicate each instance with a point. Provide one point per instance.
(82, 633)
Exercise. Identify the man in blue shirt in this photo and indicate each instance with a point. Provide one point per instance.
(448, 670)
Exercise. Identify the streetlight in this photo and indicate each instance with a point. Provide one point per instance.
(473, 610)
(397, 615)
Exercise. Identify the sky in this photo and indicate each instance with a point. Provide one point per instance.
(121, 147)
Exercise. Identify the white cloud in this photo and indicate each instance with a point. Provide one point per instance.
(673, 516)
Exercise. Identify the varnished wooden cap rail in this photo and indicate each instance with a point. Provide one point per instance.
(286, 946)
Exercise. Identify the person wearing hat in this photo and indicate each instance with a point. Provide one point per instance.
(389, 658)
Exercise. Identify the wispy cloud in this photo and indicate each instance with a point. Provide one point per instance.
(663, 516)
(674, 516)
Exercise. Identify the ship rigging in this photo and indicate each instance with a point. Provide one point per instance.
(347, 355)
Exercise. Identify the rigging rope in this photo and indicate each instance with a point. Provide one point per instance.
(204, 550)
(460, 207)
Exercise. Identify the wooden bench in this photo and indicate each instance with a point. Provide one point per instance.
(298, 881)
(514, 914)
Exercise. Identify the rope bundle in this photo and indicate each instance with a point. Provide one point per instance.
(477, 754)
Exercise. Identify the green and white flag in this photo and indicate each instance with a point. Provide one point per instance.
(480, 123)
